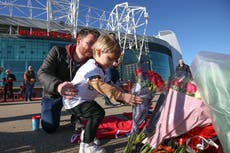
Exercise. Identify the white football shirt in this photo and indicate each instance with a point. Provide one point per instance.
(81, 78)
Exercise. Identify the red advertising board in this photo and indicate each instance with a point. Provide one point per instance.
(40, 33)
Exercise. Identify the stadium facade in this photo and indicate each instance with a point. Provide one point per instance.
(26, 41)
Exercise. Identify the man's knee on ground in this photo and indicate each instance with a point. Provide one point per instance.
(49, 128)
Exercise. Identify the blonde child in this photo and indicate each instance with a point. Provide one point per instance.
(89, 81)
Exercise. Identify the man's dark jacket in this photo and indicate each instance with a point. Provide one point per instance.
(8, 81)
(183, 71)
(57, 67)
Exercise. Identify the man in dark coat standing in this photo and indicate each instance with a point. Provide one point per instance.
(183, 70)
(8, 84)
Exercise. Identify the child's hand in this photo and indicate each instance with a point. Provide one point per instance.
(132, 99)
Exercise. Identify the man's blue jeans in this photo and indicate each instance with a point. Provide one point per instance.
(29, 90)
(51, 114)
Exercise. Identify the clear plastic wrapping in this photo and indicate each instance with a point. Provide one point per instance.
(211, 72)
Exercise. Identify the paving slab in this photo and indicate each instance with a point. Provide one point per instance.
(16, 133)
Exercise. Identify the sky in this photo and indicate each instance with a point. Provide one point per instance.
(200, 25)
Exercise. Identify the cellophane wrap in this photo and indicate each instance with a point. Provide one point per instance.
(211, 72)
(140, 111)
(180, 114)
(147, 83)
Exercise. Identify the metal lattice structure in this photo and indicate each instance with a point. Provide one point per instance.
(68, 14)
(130, 24)
(129, 21)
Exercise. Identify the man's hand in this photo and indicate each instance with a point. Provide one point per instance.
(67, 90)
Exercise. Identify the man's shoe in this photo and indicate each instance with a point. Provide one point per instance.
(90, 148)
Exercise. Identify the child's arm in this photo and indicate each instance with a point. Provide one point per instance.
(113, 92)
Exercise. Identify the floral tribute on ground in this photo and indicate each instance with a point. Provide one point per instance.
(185, 85)
(184, 124)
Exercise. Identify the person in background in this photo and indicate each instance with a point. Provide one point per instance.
(29, 79)
(90, 83)
(1, 69)
(22, 90)
(183, 70)
(8, 84)
(56, 73)
(108, 80)
(113, 77)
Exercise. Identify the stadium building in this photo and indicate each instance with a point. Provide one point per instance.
(26, 39)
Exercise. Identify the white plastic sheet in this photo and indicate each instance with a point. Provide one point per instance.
(211, 72)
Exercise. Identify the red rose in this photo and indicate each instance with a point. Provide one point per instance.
(138, 72)
(191, 87)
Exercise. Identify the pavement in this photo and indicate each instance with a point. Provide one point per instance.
(16, 133)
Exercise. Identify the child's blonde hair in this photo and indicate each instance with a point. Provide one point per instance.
(107, 44)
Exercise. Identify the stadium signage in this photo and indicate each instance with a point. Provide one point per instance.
(40, 33)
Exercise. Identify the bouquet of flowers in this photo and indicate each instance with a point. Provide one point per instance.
(147, 83)
(184, 104)
(150, 80)
(185, 85)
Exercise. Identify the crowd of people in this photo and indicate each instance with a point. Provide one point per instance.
(26, 87)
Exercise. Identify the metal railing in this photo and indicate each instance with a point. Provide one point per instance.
(18, 92)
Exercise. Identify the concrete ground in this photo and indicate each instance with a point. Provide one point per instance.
(16, 134)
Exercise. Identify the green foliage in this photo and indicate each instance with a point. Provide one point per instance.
(134, 139)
